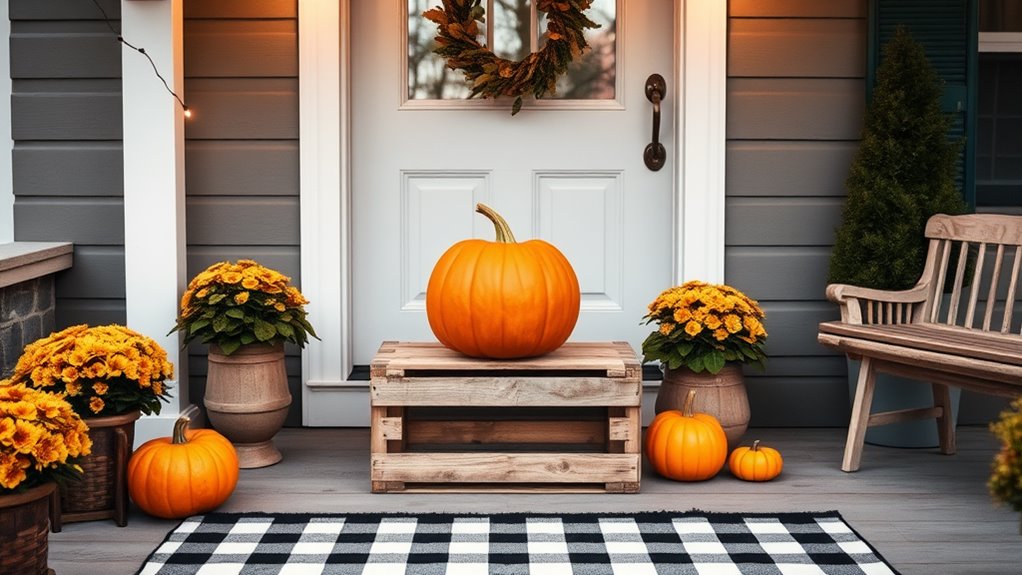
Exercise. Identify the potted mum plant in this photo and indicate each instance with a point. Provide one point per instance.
(245, 312)
(1006, 475)
(705, 331)
(110, 375)
(41, 438)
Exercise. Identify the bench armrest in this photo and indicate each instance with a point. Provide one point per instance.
(851, 298)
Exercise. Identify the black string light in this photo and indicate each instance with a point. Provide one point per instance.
(109, 24)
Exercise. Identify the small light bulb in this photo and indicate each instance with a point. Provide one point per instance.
(188, 112)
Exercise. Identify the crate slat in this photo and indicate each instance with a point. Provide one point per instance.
(522, 432)
(506, 391)
(499, 467)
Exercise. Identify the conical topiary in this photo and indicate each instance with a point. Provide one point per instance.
(903, 173)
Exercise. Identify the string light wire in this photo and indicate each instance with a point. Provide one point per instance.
(109, 24)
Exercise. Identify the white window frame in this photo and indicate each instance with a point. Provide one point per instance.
(1000, 41)
(325, 140)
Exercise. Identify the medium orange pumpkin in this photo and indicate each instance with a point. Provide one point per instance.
(502, 299)
(192, 472)
(755, 463)
(686, 446)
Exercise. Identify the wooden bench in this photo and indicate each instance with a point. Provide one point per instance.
(963, 334)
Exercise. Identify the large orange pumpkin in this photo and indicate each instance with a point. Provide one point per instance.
(686, 446)
(192, 472)
(502, 299)
(756, 463)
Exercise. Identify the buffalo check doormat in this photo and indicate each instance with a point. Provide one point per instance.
(674, 543)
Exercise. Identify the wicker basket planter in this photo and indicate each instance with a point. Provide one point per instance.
(102, 492)
(25, 520)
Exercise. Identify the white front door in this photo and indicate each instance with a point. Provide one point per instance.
(571, 173)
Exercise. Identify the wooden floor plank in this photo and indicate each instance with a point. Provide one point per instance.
(925, 512)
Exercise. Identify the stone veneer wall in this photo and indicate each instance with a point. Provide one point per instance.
(28, 298)
(28, 314)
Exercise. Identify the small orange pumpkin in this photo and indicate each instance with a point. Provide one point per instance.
(755, 463)
(686, 446)
(502, 299)
(193, 471)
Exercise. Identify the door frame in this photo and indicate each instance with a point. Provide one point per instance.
(324, 64)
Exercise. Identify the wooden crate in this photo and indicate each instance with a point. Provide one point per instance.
(582, 433)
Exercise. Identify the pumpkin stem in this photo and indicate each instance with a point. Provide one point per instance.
(755, 445)
(504, 234)
(179, 430)
(689, 402)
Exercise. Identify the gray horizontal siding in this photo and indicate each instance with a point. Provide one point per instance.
(42, 169)
(77, 116)
(797, 8)
(91, 311)
(88, 278)
(795, 110)
(243, 109)
(231, 48)
(782, 221)
(62, 9)
(793, 273)
(241, 167)
(246, 221)
(797, 48)
(241, 148)
(792, 168)
(38, 52)
(85, 221)
(287, 9)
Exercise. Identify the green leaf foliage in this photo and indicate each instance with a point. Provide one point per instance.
(902, 173)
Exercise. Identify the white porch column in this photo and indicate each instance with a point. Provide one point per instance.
(6, 142)
(702, 83)
(154, 194)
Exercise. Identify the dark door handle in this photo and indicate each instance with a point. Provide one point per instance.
(655, 155)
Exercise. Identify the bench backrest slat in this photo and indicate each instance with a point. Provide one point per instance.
(1009, 302)
(956, 288)
(943, 249)
(994, 282)
(970, 312)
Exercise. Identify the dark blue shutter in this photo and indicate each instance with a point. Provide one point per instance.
(949, 33)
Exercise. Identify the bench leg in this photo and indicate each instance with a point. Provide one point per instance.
(860, 416)
(945, 421)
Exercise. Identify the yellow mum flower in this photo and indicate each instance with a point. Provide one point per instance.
(693, 328)
(6, 430)
(96, 405)
(732, 323)
(682, 315)
(23, 410)
(250, 283)
(241, 297)
(720, 334)
(202, 293)
(666, 328)
(12, 470)
(279, 307)
(231, 277)
(25, 436)
(100, 388)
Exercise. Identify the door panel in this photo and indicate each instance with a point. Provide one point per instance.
(574, 177)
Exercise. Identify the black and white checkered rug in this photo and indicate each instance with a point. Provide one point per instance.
(675, 543)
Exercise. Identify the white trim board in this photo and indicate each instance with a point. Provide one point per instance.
(154, 176)
(325, 141)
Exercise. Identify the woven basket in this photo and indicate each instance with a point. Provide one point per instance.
(24, 531)
(101, 492)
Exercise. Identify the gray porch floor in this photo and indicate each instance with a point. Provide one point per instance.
(926, 513)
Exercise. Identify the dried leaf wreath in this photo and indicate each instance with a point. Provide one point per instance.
(491, 76)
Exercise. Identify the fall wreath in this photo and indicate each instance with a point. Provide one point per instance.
(491, 76)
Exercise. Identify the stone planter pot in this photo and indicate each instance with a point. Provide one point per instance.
(25, 521)
(102, 491)
(721, 395)
(247, 400)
